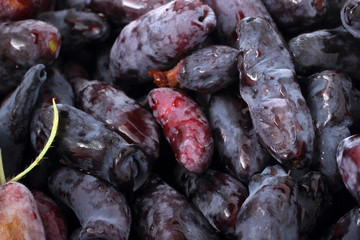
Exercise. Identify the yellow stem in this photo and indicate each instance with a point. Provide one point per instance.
(2, 174)
(46, 148)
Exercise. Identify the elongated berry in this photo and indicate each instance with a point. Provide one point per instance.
(184, 126)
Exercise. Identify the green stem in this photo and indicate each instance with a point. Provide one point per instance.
(2, 174)
(46, 148)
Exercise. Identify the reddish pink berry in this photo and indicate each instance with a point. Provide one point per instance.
(185, 127)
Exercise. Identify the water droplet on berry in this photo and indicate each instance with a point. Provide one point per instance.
(17, 43)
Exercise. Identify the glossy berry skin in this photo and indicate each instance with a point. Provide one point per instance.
(271, 210)
(234, 136)
(325, 155)
(350, 17)
(22, 45)
(15, 117)
(229, 13)
(102, 211)
(129, 9)
(51, 216)
(346, 227)
(297, 15)
(162, 213)
(208, 69)
(19, 215)
(29, 42)
(14, 10)
(89, 144)
(158, 39)
(123, 114)
(77, 28)
(326, 49)
(184, 126)
(268, 85)
(56, 86)
(328, 98)
(313, 200)
(217, 195)
(348, 160)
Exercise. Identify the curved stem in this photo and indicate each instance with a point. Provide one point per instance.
(45, 149)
